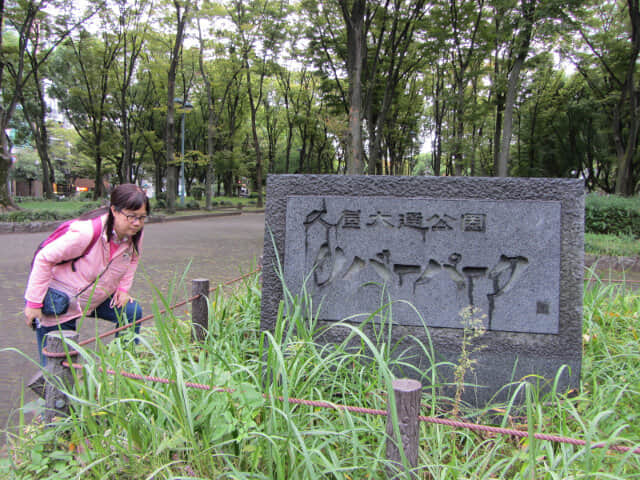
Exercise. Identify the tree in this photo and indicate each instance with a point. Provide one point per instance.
(519, 51)
(611, 33)
(375, 51)
(129, 22)
(210, 116)
(391, 66)
(220, 71)
(81, 82)
(182, 16)
(21, 23)
(259, 30)
(357, 17)
(518, 26)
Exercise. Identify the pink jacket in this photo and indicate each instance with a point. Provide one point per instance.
(115, 273)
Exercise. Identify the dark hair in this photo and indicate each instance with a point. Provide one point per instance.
(131, 197)
(126, 195)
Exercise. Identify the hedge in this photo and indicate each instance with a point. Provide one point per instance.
(612, 215)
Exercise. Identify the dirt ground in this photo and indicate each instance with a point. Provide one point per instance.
(217, 248)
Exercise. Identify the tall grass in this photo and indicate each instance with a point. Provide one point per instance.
(124, 428)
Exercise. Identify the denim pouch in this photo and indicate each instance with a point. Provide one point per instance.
(55, 303)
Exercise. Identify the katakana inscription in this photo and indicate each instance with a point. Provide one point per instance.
(437, 255)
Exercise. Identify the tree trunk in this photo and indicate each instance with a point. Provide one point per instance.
(41, 137)
(625, 181)
(522, 43)
(356, 45)
(38, 124)
(507, 129)
(438, 119)
(253, 106)
(170, 129)
(6, 201)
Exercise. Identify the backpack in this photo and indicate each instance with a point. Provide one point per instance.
(63, 228)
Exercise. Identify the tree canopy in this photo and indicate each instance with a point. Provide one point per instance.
(396, 87)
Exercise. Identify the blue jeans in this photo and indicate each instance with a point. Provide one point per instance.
(129, 314)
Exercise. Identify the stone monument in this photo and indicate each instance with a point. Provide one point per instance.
(418, 251)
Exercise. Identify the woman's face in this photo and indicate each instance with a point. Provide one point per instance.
(128, 222)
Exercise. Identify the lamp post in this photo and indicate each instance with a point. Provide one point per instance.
(185, 107)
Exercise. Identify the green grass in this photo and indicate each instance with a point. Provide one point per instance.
(129, 429)
(611, 245)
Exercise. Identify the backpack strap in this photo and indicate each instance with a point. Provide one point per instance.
(96, 223)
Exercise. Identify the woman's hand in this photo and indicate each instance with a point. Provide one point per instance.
(31, 314)
(120, 299)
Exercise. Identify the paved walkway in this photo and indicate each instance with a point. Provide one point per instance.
(217, 248)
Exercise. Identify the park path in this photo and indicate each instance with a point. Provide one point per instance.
(217, 248)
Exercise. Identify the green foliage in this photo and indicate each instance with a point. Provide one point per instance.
(197, 191)
(34, 210)
(27, 165)
(31, 216)
(192, 205)
(143, 429)
(612, 215)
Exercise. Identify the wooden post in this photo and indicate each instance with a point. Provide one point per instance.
(55, 401)
(200, 309)
(407, 395)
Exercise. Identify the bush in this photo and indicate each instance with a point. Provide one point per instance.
(84, 196)
(197, 191)
(45, 215)
(192, 205)
(32, 216)
(612, 215)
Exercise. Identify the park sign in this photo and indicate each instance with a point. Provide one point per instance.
(419, 251)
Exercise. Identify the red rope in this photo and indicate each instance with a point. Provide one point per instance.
(370, 411)
(323, 404)
(523, 434)
(73, 353)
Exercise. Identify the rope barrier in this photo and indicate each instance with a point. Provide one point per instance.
(524, 434)
(323, 404)
(74, 353)
(370, 411)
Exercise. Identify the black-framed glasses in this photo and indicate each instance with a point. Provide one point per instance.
(132, 218)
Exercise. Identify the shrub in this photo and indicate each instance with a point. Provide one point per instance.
(612, 215)
(84, 196)
(32, 216)
(46, 215)
(197, 191)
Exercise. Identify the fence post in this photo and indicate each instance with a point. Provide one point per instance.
(200, 309)
(55, 401)
(407, 395)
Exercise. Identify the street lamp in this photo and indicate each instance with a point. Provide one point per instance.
(186, 107)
